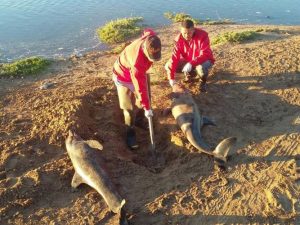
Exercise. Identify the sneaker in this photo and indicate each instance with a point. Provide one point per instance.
(203, 87)
(187, 79)
(131, 138)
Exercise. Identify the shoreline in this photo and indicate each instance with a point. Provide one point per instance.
(106, 47)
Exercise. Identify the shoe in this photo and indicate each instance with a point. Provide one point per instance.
(203, 87)
(131, 138)
(187, 80)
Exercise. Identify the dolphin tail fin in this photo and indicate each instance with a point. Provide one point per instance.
(76, 181)
(223, 148)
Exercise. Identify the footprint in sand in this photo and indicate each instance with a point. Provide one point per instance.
(31, 178)
(3, 175)
(297, 178)
(11, 162)
(9, 182)
(279, 201)
(168, 201)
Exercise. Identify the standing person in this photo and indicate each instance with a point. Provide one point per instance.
(129, 75)
(191, 55)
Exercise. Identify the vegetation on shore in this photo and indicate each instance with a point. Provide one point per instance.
(234, 37)
(23, 67)
(119, 30)
(217, 22)
(271, 30)
(179, 17)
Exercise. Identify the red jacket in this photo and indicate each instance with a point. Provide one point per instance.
(196, 51)
(131, 66)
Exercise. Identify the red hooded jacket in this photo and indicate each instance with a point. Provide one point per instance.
(196, 51)
(131, 66)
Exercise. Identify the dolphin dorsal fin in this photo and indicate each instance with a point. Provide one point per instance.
(77, 180)
(94, 144)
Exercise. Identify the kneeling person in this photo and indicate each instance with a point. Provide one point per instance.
(129, 75)
(191, 55)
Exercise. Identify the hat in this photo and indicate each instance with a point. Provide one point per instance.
(153, 46)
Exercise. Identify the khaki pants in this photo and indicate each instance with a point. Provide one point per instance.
(128, 101)
(201, 70)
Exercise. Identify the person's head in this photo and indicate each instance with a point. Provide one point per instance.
(153, 48)
(187, 29)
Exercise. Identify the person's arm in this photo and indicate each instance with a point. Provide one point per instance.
(174, 61)
(139, 80)
(205, 52)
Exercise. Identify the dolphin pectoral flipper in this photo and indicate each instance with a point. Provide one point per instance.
(207, 121)
(77, 180)
(94, 144)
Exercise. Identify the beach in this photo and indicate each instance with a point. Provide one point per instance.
(253, 94)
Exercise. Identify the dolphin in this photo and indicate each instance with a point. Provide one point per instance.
(190, 120)
(89, 169)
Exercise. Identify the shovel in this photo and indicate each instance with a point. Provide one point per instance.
(150, 121)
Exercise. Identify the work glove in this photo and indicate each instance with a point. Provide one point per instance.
(148, 113)
(172, 82)
(187, 68)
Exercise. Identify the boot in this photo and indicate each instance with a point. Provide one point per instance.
(203, 85)
(140, 120)
(188, 77)
(131, 138)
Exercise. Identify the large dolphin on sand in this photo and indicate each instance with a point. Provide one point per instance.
(190, 120)
(89, 169)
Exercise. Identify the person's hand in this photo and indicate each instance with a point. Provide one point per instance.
(148, 113)
(172, 82)
(178, 88)
(187, 68)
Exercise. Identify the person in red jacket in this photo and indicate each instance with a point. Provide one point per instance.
(129, 75)
(191, 55)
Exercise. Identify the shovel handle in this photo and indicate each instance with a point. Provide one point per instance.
(150, 121)
(151, 133)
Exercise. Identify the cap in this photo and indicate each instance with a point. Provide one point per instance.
(153, 46)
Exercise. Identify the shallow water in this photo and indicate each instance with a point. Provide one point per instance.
(60, 28)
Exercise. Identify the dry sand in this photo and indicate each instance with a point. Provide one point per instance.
(253, 94)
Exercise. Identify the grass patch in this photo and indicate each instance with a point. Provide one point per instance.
(234, 37)
(119, 30)
(217, 22)
(179, 17)
(271, 30)
(23, 67)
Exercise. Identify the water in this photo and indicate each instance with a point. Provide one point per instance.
(59, 28)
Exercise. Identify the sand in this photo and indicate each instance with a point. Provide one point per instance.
(253, 94)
